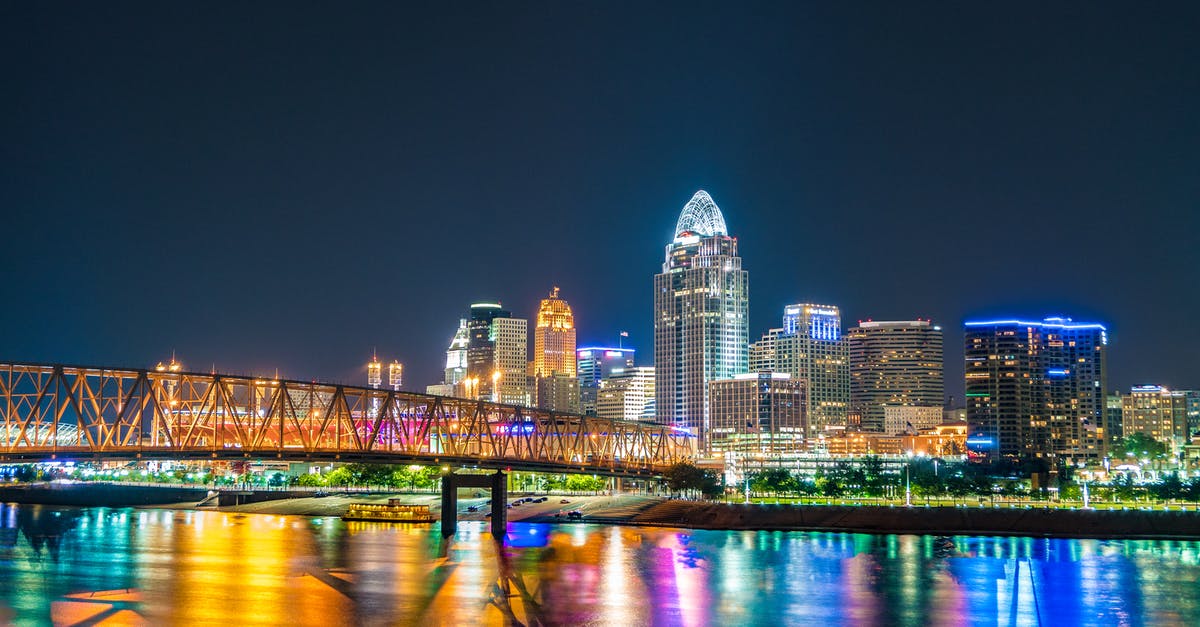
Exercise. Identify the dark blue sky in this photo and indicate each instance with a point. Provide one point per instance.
(274, 185)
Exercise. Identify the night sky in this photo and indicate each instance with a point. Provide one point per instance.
(262, 186)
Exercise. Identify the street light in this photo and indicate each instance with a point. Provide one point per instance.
(907, 484)
(495, 386)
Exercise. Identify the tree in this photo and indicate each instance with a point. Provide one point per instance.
(584, 483)
(311, 480)
(1139, 446)
(683, 477)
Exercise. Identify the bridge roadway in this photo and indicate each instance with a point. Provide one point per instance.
(62, 412)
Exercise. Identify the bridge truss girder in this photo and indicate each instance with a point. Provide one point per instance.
(80, 412)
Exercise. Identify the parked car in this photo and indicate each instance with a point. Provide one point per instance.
(564, 501)
(473, 508)
(574, 514)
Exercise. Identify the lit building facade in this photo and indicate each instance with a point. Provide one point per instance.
(456, 356)
(1035, 390)
(910, 418)
(497, 348)
(760, 413)
(1160, 413)
(558, 392)
(810, 347)
(594, 364)
(554, 338)
(895, 364)
(627, 395)
(701, 309)
(1115, 415)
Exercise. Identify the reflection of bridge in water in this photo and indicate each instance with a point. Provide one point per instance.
(96, 413)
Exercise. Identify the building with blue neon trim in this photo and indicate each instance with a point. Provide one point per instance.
(1036, 390)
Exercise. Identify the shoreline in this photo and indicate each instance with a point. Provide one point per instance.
(657, 512)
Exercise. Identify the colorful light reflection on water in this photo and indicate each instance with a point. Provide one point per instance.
(102, 566)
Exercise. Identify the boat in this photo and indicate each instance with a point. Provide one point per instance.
(393, 511)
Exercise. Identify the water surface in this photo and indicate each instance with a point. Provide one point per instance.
(124, 566)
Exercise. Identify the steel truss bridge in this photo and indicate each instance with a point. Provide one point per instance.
(60, 412)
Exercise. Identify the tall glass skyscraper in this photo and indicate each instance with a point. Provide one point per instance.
(1036, 390)
(810, 347)
(701, 309)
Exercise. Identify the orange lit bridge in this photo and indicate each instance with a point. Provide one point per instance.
(81, 413)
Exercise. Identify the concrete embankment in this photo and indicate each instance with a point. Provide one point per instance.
(99, 494)
(925, 520)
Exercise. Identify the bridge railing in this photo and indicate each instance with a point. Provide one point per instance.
(59, 409)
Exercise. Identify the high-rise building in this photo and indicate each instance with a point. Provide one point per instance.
(554, 338)
(701, 310)
(511, 384)
(553, 368)
(810, 347)
(497, 345)
(627, 395)
(1114, 415)
(594, 364)
(895, 364)
(1035, 390)
(456, 355)
(1160, 413)
(558, 392)
(761, 413)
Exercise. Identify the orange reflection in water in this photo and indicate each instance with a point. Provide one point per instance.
(237, 569)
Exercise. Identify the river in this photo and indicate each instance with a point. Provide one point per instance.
(71, 566)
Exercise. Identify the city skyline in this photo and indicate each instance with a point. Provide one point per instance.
(296, 230)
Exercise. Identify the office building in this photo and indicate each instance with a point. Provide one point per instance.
(1035, 390)
(627, 395)
(1159, 413)
(758, 413)
(1115, 415)
(701, 309)
(810, 347)
(909, 419)
(895, 364)
(558, 392)
(497, 345)
(554, 338)
(595, 363)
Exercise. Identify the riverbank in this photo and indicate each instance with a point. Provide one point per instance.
(639, 509)
(1037, 522)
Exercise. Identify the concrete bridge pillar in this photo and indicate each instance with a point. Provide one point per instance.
(497, 483)
(499, 505)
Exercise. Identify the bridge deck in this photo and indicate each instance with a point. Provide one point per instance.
(83, 412)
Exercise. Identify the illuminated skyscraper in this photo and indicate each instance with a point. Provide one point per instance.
(456, 355)
(594, 364)
(810, 348)
(1036, 390)
(895, 364)
(701, 308)
(554, 338)
(497, 345)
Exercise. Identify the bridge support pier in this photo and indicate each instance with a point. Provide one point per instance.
(497, 483)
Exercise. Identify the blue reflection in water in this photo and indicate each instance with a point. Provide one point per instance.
(196, 567)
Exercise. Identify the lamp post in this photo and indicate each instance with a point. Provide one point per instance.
(907, 484)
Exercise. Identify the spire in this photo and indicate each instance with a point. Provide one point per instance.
(701, 216)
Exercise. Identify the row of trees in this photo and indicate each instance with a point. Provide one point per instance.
(930, 479)
(428, 478)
